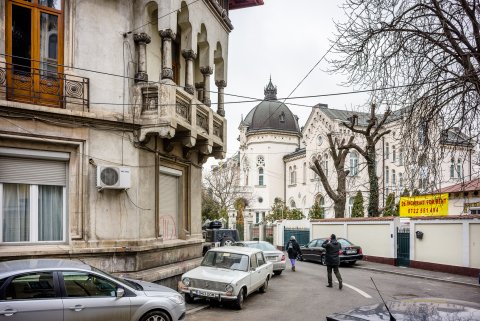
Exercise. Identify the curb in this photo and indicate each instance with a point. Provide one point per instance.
(197, 309)
(419, 276)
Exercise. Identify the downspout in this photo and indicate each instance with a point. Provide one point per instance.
(284, 181)
(470, 164)
(383, 171)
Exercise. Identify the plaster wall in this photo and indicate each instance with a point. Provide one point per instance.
(474, 232)
(438, 240)
(375, 239)
(298, 190)
(456, 203)
(325, 230)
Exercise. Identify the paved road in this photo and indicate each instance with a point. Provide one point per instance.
(302, 295)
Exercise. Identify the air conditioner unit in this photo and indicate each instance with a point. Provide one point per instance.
(113, 177)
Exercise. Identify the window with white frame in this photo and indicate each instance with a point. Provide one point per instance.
(257, 217)
(387, 150)
(353, 163)
(294, 174)
(260, 161)
(261, 181)
(400, 181)
(387, 175)
(452, 168)
(394, 178)
(290, 173)
(400, 156)
(33, 192)
(350, 206)
(459, 168)
(325, 164)
(304, 172)
(292, 204)
(394, 153)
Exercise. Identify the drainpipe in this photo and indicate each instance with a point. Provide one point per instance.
(284, 181)
(383, 171)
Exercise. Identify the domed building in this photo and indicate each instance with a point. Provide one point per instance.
(268, 132)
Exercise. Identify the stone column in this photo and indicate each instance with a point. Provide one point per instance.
(189, 56)
(199, 88)
(206, 72)
(167, 36)
(142, 39)
(221, 84)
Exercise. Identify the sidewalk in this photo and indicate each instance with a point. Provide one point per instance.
(418, 273)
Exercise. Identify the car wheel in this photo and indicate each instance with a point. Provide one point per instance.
(277, 272)
(189, 298)
(155, 316)
(264, 287)
(227, 241)
(240, 298)
(322, 260)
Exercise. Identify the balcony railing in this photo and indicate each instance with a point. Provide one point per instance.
(44, 87)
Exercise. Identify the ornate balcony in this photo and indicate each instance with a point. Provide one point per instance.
(180, 117)
(43, 87)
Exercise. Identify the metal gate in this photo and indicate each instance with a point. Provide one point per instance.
(301, 234)
(403, 246)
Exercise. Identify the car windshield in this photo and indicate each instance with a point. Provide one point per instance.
(226, 260)
(344, 242)
(264, 246)
(130, 283)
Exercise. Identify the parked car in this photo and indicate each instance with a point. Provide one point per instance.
(271, 254)
(227, 274)
(216, 236)
(426, 309)
(349, 253)
(56, 290)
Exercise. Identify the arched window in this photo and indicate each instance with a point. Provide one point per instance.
(394, 154)
(387, 150)
(260, 176)
(394, 178)
(452, 168)
(292, 204)
(325, 164)
(400, 182)
(353, 163)
(387, 175)
(294, 174)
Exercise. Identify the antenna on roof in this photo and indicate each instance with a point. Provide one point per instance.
(386, 306)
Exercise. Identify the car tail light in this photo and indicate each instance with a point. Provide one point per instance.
(340, 252)
(283, 257)
(360, 251)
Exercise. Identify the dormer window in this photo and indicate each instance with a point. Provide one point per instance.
(282, 117)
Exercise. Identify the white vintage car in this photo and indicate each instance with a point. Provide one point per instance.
(227, 274)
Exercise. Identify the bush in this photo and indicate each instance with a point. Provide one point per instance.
(358, 210)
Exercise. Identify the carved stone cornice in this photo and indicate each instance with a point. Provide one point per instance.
(167, 34)
(221, 83)
(189, 54)
(142, 37)
(207, 70)
(141, 76)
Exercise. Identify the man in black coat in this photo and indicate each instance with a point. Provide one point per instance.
(332, 259)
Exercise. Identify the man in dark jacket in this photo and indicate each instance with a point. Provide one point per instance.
(293, 250)
(332, 260)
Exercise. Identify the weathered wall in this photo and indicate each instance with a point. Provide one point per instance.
(441, 243)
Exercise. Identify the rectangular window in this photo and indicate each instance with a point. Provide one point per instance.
(169, 205)
(33, 198)
(387, 177)
(257, 217)
(394, 154)
(400, 181)
(400, 157)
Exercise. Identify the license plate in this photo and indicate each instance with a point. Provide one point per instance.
(352, 252)
(272, 258)
(204, 293)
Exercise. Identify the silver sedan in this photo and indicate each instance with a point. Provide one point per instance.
(64, 290)
(270, 252)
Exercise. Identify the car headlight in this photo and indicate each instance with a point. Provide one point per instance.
(229, 288)
(178, 299)
(186, 281)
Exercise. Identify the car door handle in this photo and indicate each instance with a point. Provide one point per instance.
(77, 308)
(8, 312)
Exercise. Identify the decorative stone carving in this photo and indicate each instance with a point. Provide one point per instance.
(189, 54)
(207, 70)
(202, 121)
(149, 100)
(142, 38)
(221, 84)
(183, 109)
(168, 34)
(218, 129)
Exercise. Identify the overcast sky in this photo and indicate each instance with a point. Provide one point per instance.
(284, 39)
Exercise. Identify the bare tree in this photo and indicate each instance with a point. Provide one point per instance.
(338, 156)
(223, 184)
(422, 55)
(372, 133)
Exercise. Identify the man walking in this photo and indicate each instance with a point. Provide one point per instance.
(293, 250)
(332, 260)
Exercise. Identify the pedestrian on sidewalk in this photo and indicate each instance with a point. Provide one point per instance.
(332, 259)
(293, 250)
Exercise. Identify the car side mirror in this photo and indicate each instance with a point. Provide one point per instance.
(120, 292)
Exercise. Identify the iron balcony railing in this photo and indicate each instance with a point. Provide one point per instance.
(44, 87)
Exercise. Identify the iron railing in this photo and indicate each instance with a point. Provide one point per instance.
(44, 87)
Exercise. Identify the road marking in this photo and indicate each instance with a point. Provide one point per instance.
(357, 289)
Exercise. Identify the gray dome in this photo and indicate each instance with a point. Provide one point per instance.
(271, 114)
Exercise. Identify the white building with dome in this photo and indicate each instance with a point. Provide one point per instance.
(275, 156)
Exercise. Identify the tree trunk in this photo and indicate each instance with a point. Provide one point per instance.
(373, 201)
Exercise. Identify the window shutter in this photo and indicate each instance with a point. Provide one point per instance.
(33, 171)
(168, 206)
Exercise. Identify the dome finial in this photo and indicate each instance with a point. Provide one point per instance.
(270, 91)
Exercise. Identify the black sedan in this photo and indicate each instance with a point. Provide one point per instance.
(349, 253)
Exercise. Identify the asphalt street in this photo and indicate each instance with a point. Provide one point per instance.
(303, 295)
